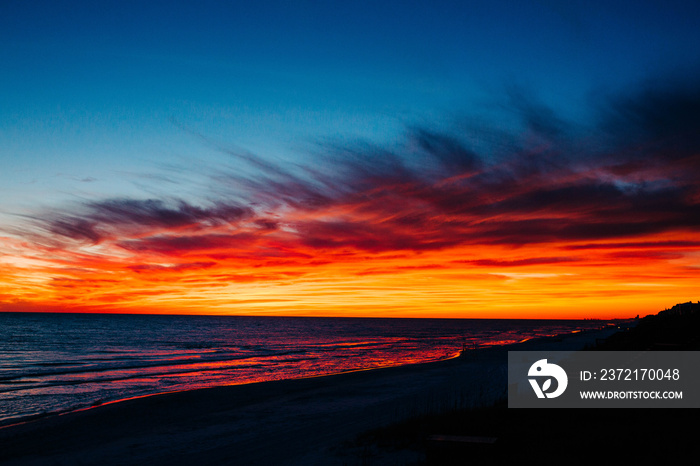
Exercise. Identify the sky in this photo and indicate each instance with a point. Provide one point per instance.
(482, 159)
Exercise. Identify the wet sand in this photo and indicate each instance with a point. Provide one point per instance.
(302, 421)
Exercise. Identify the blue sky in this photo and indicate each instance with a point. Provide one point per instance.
(103, 91)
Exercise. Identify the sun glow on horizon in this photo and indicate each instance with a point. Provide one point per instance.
(592, 281)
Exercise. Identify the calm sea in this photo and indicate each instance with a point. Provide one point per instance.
(60, 362)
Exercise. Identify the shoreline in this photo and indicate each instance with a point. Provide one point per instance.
(460, 353)
(40, 417)
(36, 388)
(304, 417)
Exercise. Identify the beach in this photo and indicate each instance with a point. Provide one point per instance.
(300, 421)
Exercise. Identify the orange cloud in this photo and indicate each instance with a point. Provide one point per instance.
(546, 230)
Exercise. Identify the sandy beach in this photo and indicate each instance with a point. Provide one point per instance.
(302, 421)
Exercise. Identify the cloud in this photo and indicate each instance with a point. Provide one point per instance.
(653, 134)
(156, 213)
(661, 120)
(171, 268)
(449, 152)
(634, 175)
(176, 245)
(113, 218)
(517, 262)
(682, 244)
(74, 227)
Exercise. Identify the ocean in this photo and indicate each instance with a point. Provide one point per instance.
(52, 363)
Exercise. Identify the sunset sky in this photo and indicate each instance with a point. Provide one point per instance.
(431, 159)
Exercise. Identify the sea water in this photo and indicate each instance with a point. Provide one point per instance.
(52, 363)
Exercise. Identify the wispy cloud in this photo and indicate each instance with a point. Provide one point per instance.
(637, 176)
(613, 190)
